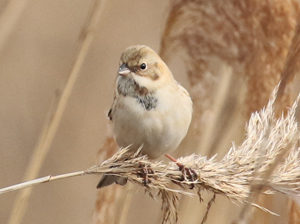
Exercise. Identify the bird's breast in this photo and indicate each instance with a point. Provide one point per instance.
(159, 129)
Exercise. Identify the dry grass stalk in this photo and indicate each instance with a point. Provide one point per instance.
(232, 176)
(50, 130)
(40, 180)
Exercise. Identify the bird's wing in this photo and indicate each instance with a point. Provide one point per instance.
(112, 108)
(109, 115)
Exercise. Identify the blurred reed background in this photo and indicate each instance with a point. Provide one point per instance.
(229, 54)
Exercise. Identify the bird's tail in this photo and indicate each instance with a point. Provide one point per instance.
(107, 180)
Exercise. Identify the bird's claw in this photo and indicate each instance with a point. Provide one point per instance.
(144, 173)
(188, 174)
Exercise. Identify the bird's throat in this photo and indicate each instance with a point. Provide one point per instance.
(128, 87)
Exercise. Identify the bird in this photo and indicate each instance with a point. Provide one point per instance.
(150, 108)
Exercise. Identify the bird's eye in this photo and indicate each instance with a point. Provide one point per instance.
(143, 66)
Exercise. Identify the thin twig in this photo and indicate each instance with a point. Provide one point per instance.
(43, 147)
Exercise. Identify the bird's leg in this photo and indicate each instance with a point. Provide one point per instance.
(144, 173)
(187, 173)
(174, 160)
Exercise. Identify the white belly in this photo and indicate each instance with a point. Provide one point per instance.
(159, 130)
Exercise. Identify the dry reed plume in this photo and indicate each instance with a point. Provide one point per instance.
(233, 176)
(234, 52)
(252, 38)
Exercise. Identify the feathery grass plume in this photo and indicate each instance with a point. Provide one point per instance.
(250, 42)
(242, 167)
(251, 37)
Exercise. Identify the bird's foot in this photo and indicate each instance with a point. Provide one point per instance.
(188, 174)
(144, 173)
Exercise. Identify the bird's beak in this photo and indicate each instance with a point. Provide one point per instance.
(124, 70)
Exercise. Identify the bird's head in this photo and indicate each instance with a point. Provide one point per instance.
(145, 67)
